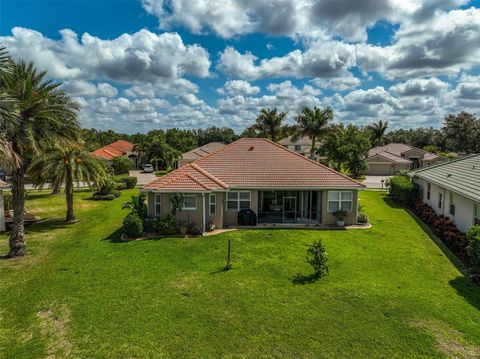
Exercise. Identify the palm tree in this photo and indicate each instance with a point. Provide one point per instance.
(314, 123)
(64, 167)
(269, 122)
(137, 205)
(377, 131)
(46, 118)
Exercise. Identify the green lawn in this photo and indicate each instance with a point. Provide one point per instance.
(391, 292)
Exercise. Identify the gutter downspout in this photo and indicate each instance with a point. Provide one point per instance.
(203, 213)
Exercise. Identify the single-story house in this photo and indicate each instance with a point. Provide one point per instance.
(279, 185)
(3, 186)
(395, 157)
(199, 152)
(452, 189)
(116, 149)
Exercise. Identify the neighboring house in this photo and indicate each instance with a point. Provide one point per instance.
(279, 185)
(395, 157)
(3, 186)
(199, 152)
(116, 149)
(303, 146)
(452, 189)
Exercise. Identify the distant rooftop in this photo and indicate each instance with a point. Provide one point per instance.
(302, 141)
(115, 149)
(202, 151)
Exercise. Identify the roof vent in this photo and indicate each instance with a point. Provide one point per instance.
(449, 175)
(251, 148)
(473, 167)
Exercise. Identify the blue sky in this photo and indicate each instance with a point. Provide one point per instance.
(140, 65)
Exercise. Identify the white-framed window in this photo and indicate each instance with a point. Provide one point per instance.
(213, 204)
(429, 188)
(340, 200)
(158, 205)
(440, 200)
(298, 147)
(452, 205)
(190, 202)
(476, 214)
(237, 200)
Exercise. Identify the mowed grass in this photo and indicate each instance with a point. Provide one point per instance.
(391, 291)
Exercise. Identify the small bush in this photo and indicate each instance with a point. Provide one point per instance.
(473, 246)
(195, 229)
(165, 224)
(130, 182)
(403, 190)
(317, 258)
(121, 165)
(362, 217)
(340, 215)
(120, 186)
(133, 225)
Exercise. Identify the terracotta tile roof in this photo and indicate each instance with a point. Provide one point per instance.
(389, 156)
(254, 163)
(202, 151)
(302, 141)
(114, 149)
(397, 150)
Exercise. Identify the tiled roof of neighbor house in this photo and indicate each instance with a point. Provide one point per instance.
(398, 149)
(114, 149)
(302, 141)
(253, 163)
(202, 151)
(461, 175)
(389, 156)
(4, 185)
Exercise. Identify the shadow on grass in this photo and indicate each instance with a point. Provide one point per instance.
(301, 279)
(391, 203)
(221, 270)
(48, 224)
(467, 289)
(115, 237)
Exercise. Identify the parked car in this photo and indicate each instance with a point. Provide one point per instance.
(148, 168)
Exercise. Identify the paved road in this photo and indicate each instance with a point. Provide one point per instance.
(375, 181)
(143, 178)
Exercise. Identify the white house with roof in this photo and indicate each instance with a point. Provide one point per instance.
(452, 189)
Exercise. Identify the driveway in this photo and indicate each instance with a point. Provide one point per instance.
(143, 178)
(375, 181)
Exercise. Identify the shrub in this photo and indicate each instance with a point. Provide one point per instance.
(403, 190)
(165, 224)
(195, 229)
(317, 258)
(137, 205)
(121, 165)
(362, 217)
(120, 186)
(133, 225)
(130, 182)
(107, 192)
(473, 246)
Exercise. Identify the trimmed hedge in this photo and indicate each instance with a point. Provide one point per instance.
(473, 246)
(403, 190)
(130, 182)
(133, 225)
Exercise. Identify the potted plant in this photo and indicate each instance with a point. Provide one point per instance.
(211, 226)
(340, 215)
(182, 228)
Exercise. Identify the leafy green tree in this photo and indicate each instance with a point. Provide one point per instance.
(47, 118)
(64, 167)
(137, 205)
(314, 123)
(346, 147)
(161, 154)
(181, 140)
(269, 123)
(378, 131)
(121, 165)
(215, 134)
(462, 132)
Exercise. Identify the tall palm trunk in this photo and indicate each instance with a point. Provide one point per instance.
(312, 149)
(69, 194)
(18, 245)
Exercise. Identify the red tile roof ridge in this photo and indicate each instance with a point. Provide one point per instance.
(198, 182)
(317, 163)
(209, 175)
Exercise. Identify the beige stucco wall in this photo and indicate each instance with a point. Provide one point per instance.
(2, 213)
(329, 218)
(464, 207)
(231, 217)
